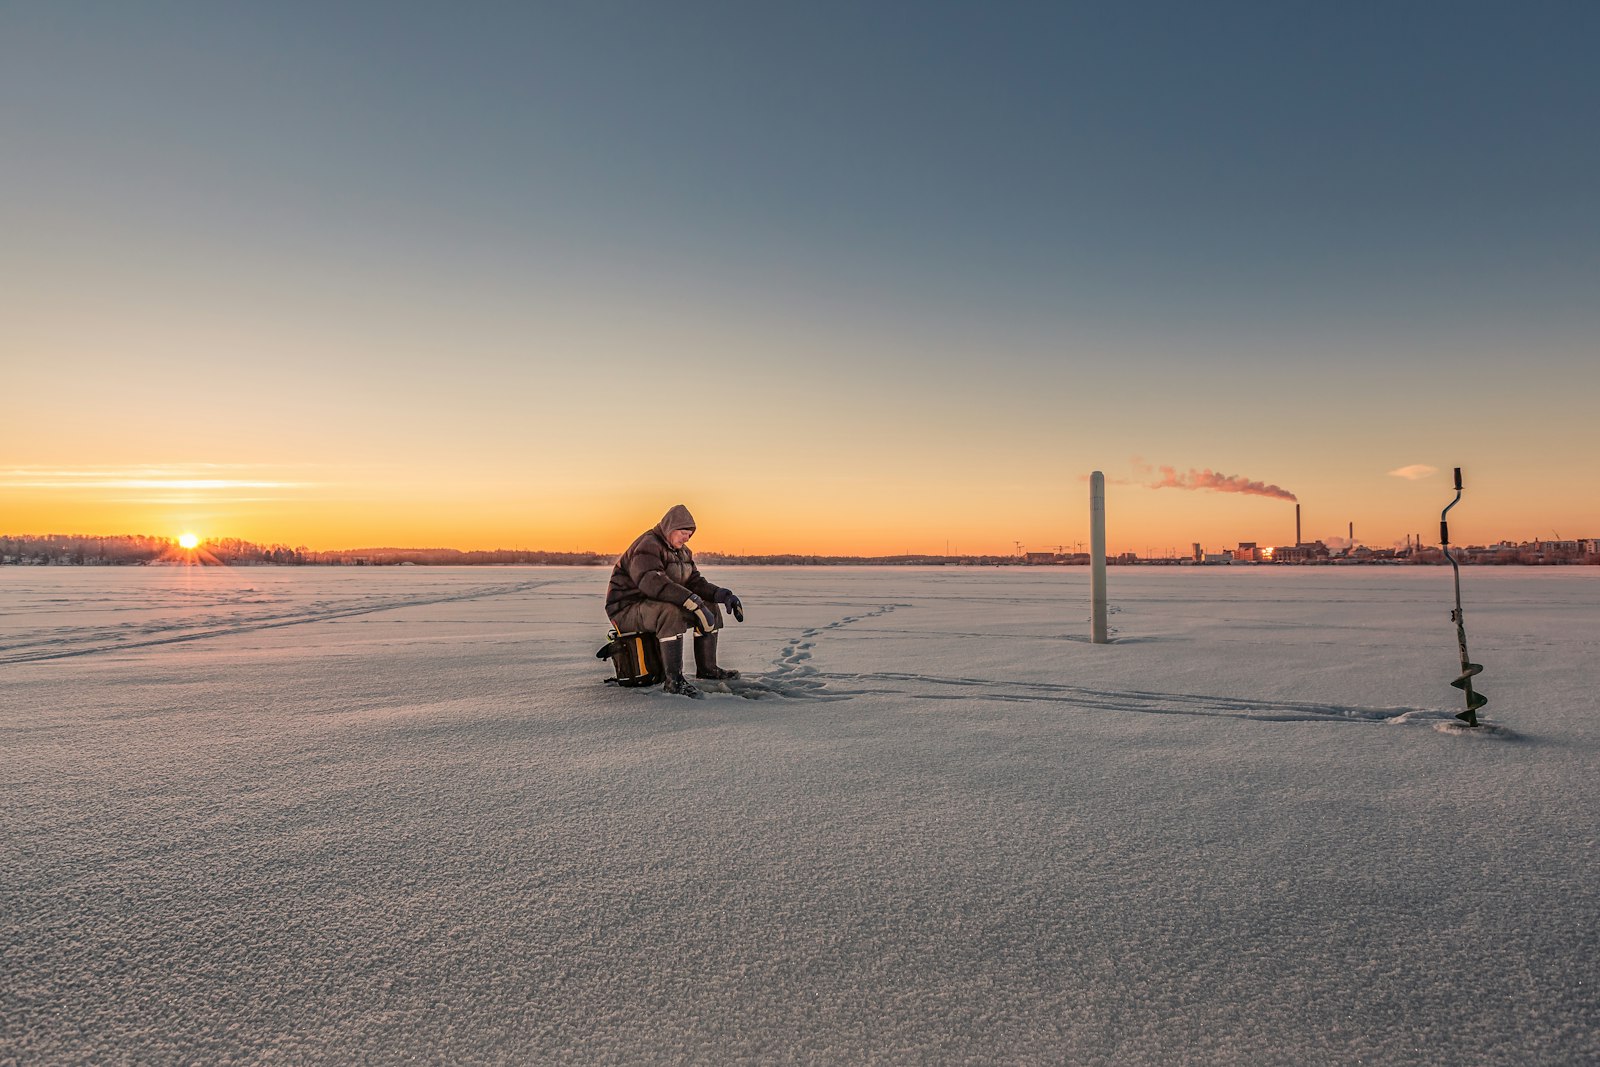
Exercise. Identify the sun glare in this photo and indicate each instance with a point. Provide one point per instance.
(188, 541)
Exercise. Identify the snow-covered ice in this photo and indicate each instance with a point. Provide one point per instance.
(389, 816)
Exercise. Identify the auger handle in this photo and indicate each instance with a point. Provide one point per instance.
(1444, 527)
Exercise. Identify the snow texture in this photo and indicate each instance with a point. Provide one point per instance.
(394, 816)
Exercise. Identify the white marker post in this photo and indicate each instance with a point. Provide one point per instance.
(1097, 557)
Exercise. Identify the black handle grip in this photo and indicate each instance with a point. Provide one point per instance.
(1444, 532)
(1458, 477)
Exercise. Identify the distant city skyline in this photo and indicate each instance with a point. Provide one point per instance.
(845, 279)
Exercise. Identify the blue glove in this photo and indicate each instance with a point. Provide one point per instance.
(705, 619)
(726, 598)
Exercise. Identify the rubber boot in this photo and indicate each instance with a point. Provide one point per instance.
(705, 659)
(672, 665)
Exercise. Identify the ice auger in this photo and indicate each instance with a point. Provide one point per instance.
(1475, 700)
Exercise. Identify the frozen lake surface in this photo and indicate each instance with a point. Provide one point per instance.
(393, 815)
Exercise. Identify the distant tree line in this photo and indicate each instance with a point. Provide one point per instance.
(138, 549)
(79, 549)
(84, 550)
(453, 557)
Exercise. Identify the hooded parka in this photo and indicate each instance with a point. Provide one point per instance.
(651, 569)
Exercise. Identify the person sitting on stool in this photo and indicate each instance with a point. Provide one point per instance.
(656, 588)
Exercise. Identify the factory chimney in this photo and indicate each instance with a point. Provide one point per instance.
(1297, 525)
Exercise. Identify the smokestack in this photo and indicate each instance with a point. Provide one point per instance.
(1352, 535)
(1297, 525)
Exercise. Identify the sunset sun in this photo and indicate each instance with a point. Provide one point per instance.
(188, 541)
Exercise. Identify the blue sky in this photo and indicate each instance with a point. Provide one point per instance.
(824, 200)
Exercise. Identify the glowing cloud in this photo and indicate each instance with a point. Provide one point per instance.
(1216, 482)
(1414, 472)
(132, 478)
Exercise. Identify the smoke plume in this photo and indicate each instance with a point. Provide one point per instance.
(1221, 483)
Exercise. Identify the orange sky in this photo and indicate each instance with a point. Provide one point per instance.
(825, 429)
(841, 433)
(832, 512)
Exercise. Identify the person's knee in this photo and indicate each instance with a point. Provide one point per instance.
(673, 623)
(666, 621)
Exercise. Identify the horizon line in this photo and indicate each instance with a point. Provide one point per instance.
(173, 541)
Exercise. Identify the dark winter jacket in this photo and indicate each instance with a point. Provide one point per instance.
(651, 569)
